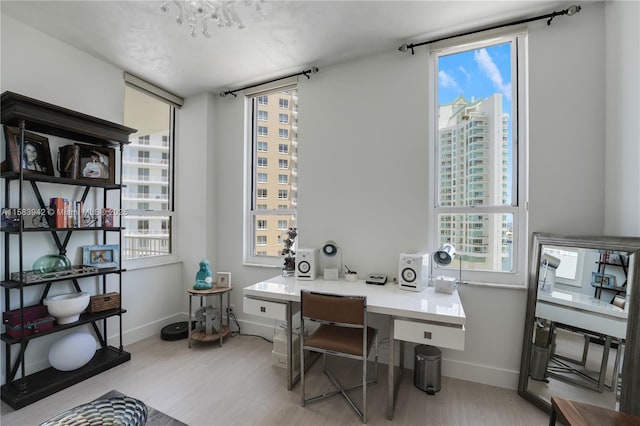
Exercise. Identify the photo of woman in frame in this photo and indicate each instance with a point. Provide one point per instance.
(35, 156)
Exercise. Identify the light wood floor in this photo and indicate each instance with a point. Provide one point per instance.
(237, 385)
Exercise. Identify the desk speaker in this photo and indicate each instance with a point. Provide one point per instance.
(306, 264)
(413, 271)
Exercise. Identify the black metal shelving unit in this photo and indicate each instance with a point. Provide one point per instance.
(29, 114)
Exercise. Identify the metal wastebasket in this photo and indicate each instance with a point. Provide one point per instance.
(427, 368)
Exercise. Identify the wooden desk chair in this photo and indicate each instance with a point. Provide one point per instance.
(343, 332)
(573, 413)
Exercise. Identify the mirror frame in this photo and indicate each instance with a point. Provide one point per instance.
(630, 393)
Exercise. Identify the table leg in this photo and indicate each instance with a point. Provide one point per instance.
(221, 304)
(189, 320)
(289, 346)
(391, 385)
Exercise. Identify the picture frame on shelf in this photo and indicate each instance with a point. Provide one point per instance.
(223, 279)
(36, 155)
(604, 280)
(101, 256)
(97, 163)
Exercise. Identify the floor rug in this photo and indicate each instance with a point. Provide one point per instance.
(93, 412)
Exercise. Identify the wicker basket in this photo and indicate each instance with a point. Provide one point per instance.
(104, 302)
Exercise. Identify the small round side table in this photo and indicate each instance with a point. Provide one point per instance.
(223, 330)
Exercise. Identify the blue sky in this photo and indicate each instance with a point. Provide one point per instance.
(476, 74)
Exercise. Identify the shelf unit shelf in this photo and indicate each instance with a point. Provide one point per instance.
(28, 114)
(46, 382)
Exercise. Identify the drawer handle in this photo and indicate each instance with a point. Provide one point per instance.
(427, 335)
(263, 309)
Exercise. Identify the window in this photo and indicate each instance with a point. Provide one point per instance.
(262, 146)
(271, 210)
(479, 156)
(147, 172)
(263, 116)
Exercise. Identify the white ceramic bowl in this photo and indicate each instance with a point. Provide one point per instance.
(66, 308)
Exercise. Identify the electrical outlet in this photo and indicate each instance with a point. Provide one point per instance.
(232, 309)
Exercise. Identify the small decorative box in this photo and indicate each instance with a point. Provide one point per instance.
(33, 327)
(444, 284)
(104, 302)
(30, 313)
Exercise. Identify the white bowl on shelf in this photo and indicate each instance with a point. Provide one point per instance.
(66, 308)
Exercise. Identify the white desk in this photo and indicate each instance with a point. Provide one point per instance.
(583, 311)
(587, 313)
(423, 317)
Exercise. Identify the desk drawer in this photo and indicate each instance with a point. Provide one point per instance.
(429, 334)
(264, 308)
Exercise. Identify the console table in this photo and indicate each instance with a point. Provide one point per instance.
(424, 317)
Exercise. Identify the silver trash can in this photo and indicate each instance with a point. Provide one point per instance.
(539, 362)
(427, 368)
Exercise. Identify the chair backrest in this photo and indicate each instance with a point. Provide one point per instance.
(334, 308)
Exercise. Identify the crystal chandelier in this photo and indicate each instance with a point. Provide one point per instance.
(198, 13)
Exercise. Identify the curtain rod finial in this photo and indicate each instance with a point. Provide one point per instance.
(403, 48)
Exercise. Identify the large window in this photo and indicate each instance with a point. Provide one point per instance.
(479, 156)
(147, 171)
(272, 180)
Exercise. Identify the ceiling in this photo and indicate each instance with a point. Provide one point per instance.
(284, 37)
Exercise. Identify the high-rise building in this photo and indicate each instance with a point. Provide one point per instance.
(276, 169)
(474, 171)
(145, 169)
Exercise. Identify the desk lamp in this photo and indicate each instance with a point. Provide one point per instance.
(443, 257)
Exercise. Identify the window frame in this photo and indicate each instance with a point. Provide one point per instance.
(251, 210)
(170, 212)
(519, 197)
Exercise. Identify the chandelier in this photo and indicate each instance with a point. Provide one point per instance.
(198, 13)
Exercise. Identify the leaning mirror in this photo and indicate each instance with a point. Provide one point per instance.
(582, 331)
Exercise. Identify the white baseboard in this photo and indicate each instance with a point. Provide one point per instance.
(147, 330)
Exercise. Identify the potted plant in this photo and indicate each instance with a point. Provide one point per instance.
(289, 253)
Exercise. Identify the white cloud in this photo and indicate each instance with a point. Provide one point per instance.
(464, 71)
(446, 80)
(486, 64)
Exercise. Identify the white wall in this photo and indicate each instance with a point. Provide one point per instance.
(38, 66)
(622, 59)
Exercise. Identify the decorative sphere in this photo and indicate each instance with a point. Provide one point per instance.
(51, 263)
(72, 351)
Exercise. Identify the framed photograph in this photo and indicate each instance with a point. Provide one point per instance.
(605, 280)
(101, 256)
(35, 156)
(223, 279)
(97, 163)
